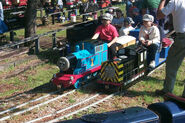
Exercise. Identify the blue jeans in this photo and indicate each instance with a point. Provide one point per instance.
(152, 50)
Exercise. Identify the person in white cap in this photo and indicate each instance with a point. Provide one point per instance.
(127, 27)
(149, 36)
(176, 53)
(108, 33)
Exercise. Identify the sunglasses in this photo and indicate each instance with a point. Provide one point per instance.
(104, 20)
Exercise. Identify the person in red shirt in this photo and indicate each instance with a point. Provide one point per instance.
(107, 33)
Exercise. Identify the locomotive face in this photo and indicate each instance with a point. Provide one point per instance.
(63, 63)
(109, 72)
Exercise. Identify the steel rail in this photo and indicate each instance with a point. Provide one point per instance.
(84, 108)
(62, 110)
(31, 101)
(38, 105)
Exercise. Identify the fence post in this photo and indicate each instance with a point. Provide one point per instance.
(53, 19)
(54, 40)
(37, 46)
(41, 13)
(11, 36)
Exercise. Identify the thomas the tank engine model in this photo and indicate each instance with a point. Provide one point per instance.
(81, 65)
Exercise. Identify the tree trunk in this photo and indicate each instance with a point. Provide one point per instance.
(31, 14)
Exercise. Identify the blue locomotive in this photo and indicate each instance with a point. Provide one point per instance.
(170, 111)
(81, 65)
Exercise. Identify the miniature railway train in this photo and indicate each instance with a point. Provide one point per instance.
(91, 58)
(170, 111)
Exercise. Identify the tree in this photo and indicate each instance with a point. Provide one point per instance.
(30, 18)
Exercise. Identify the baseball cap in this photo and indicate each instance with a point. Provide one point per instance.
(107, 16)
(148, 17)
(129, 20)
(136, 10)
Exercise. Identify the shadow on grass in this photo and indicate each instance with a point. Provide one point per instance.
(133, 93)
(45, 88)
(51, 56)
(152, 79)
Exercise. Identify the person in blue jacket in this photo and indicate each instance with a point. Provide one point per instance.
(3, 27)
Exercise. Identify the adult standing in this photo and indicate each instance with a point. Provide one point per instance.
(60, 5)
(150, 7)
(177, 51)
(3, 26)
(1, 12)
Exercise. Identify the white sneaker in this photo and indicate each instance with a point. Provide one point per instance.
(152, 64)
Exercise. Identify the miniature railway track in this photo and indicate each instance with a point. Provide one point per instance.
(81, 107)
(17, 57)
(12, 53)
(68, 110)
(8, 53)
(31, 102)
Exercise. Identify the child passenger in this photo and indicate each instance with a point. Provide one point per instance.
(108, 33)
(149, 36)
(127, 27)
(118, 19)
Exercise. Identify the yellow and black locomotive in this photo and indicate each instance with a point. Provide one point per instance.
(130, 65)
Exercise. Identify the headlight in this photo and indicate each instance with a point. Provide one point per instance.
(71, 78)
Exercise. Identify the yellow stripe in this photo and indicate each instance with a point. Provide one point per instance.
(102, 69)
(120, 79)
(121, 72)
(103, 65)
(103, 72)
(116, 77)
(120, 66)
